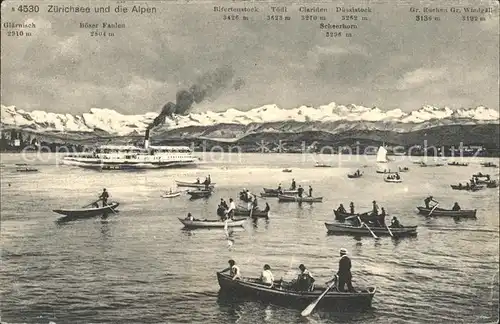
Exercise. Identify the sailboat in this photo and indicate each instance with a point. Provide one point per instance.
(382, 155)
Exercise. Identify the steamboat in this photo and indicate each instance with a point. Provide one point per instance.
(127, 157)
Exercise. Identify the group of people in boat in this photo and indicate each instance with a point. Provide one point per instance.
(225, 210)
(206, 182)
(394, 176)
(375, 218)
(305, 280)
(300, 189)
(428, 200)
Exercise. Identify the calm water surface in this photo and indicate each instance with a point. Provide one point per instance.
(141, 267)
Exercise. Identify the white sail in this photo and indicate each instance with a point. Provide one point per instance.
(382, 155)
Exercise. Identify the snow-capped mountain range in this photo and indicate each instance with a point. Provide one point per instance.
(117, 124)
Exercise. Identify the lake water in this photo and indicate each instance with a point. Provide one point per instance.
(141, 266)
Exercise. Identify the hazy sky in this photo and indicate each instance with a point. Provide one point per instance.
(391, 61)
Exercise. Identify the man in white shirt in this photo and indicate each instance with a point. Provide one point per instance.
(266, 276)
(232, 207)
(234, 270)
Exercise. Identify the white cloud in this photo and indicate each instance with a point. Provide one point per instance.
(420, 77)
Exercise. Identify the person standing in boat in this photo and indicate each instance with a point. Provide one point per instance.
(375, 208)
(254, 203)
(351, 206)
(294, 185)
(209, 179)
(300, 191)
(234, 270)
(266, 277)
(280, 190)
(456, 207)
(381, 217)
(428, 200)
(197, 180)
(104, 197)
(189, 217)
(310, 191)
(344, 273)
(232, 207)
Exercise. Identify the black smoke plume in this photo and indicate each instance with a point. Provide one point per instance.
(206, 86)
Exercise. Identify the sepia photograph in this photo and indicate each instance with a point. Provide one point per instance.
(249, 161)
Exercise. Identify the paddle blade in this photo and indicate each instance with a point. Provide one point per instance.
(308, 310)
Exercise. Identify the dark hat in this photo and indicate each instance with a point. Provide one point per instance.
(267, 267)
(231, 262)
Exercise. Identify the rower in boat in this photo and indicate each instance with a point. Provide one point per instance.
(209, 179)
(254, 202)
(294, 185)
(310, 191)
(341, 209)
(198, 181)
(397, 176)
(280, 190)
(351, 207)
(375, 208)
(300, 191)
(234, 270)
(305, 280)
(206, 183)
(266, 277)
(358, 173)
(395, 223)
(428, 200)
(456, 207)
(189, 217)
(104, 197)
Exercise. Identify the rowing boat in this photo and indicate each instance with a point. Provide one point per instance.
(287, 170)
(285, 192)
(340, 216)
(334, 228)
(87, 212)
(199, 193)
(405, 169)
(193, 184)
(286, 198)
(393, 180)
(318, 165)
(246, 212)
(355, 175)
(458, 164)
(283, 293)
(171, 194)
(489, 165)
(492, 184)
(480, 175)
(205, 223)
(465, 213)
(468, 188)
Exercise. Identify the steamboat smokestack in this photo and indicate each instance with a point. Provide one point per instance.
(146, 139)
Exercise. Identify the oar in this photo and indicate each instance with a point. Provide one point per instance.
(91, 203)
(308, 310)
(389, 230)
(373, 234)
(432, 209)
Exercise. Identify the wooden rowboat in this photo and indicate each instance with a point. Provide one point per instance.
(393, 180)
(286, 198)
(245, 212)
(465, 213)
(457, 164)
(287, 170)
(199, 223)
(285, 192)
(87, 212)
(334, 228)
(469, 188)
(353, 176)
(199, 193)
(171, 194)
(283, 294)
(193, 184)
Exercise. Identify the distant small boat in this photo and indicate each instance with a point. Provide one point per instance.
(87, 212)
(393, 180)
(171, 194)
(457, 164)
(197, 223)
(489, 165)
(333, 228)
(405, 169)
(287, 170)
(466, 213)
(321, 165)
(193, 184)
(199, 193)
(355, 175)
(285, 198)
(26, 170)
